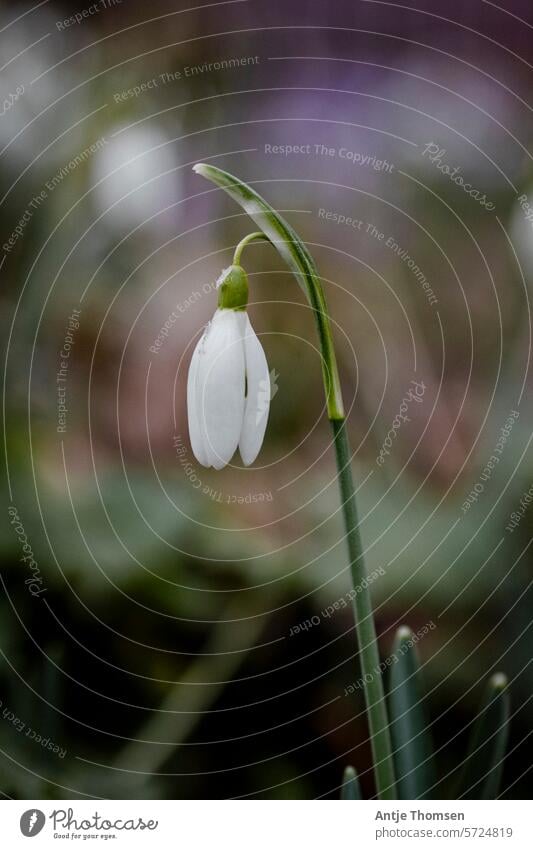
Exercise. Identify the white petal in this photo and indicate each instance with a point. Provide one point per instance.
(257, 398)
(195, 431)
(221, 386)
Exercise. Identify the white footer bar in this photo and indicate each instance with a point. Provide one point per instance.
(265, 824)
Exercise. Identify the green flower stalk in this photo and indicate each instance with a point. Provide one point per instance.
(292, 250)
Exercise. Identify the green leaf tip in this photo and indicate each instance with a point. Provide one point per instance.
(498, 681)
(350, 784)
(411, 738)
(403, 634)
(483, 766)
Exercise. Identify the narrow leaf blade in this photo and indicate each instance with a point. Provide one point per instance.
(411, 738)
(483, 765)
(350, 784)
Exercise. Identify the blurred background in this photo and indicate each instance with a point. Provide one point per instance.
(170, 631)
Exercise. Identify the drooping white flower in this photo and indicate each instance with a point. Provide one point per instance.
(228, 387)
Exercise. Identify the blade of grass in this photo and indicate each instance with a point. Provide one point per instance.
(482, 768)
(411, 739)
(350, 784)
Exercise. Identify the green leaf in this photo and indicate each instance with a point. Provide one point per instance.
(411, 739)
(482, 768)
(292, 250)
(350, 784)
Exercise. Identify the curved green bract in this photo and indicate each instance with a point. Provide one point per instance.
(293, 251)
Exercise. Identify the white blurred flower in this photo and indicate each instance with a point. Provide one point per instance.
(134, 177)
(227, 400)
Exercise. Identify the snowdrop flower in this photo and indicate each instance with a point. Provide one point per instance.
(228, 388)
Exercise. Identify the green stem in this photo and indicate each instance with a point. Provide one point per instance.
(362, 603)
(251, 237)
(364, 624)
